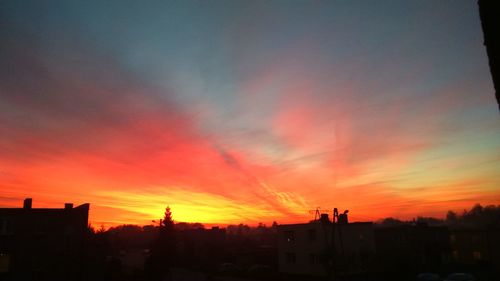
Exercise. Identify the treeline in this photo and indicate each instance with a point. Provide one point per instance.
(130, 236)
(132, 252)
(130, 232)
(477, 217)
(139, 236)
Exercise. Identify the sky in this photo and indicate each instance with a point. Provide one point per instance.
(246, 111)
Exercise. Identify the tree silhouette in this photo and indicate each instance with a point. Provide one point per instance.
(167, 222)
(477, 217)
(163, 252)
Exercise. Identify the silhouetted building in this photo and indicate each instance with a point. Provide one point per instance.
(488, 11)
(307, 248)
(476, 246)
(42, 244)
(408, 248)
(201, 246)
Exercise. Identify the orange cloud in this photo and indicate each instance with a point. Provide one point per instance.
(82, 128)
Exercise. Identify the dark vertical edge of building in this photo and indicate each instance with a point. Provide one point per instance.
(490, 21)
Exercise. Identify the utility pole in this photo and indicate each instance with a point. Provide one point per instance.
(336, 226)
(161, 221)
(334, 248)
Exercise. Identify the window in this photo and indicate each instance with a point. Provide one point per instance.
(314, 258)
(311, 234)
(453, 238)
(476, 255)
(290, 258)
(289, 236)
(475, 238)
(4, 227)
(4, 263)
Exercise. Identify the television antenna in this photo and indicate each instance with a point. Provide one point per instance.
(317, 212)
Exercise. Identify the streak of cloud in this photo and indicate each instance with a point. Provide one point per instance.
(238, 117)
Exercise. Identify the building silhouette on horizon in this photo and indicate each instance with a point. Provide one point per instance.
(43, 243)
(312, 249)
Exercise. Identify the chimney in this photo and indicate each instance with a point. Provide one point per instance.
(27, 203)
(343, 219)
(68, 206)
(324, 219)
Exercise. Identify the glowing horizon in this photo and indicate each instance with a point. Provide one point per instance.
(247, 112)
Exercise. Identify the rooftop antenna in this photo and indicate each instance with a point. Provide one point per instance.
(317, 213)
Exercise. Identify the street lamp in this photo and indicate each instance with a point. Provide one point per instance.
(161, 220)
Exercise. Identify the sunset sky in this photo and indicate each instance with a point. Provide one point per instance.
(246, 111)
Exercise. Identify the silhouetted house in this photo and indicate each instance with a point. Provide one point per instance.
(407, 248)
(476, 246)
(42, 244)
(133, 260)
(201, 246)
(251, 253)
(306, 248)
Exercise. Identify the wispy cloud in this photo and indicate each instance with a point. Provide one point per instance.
(235, 120)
